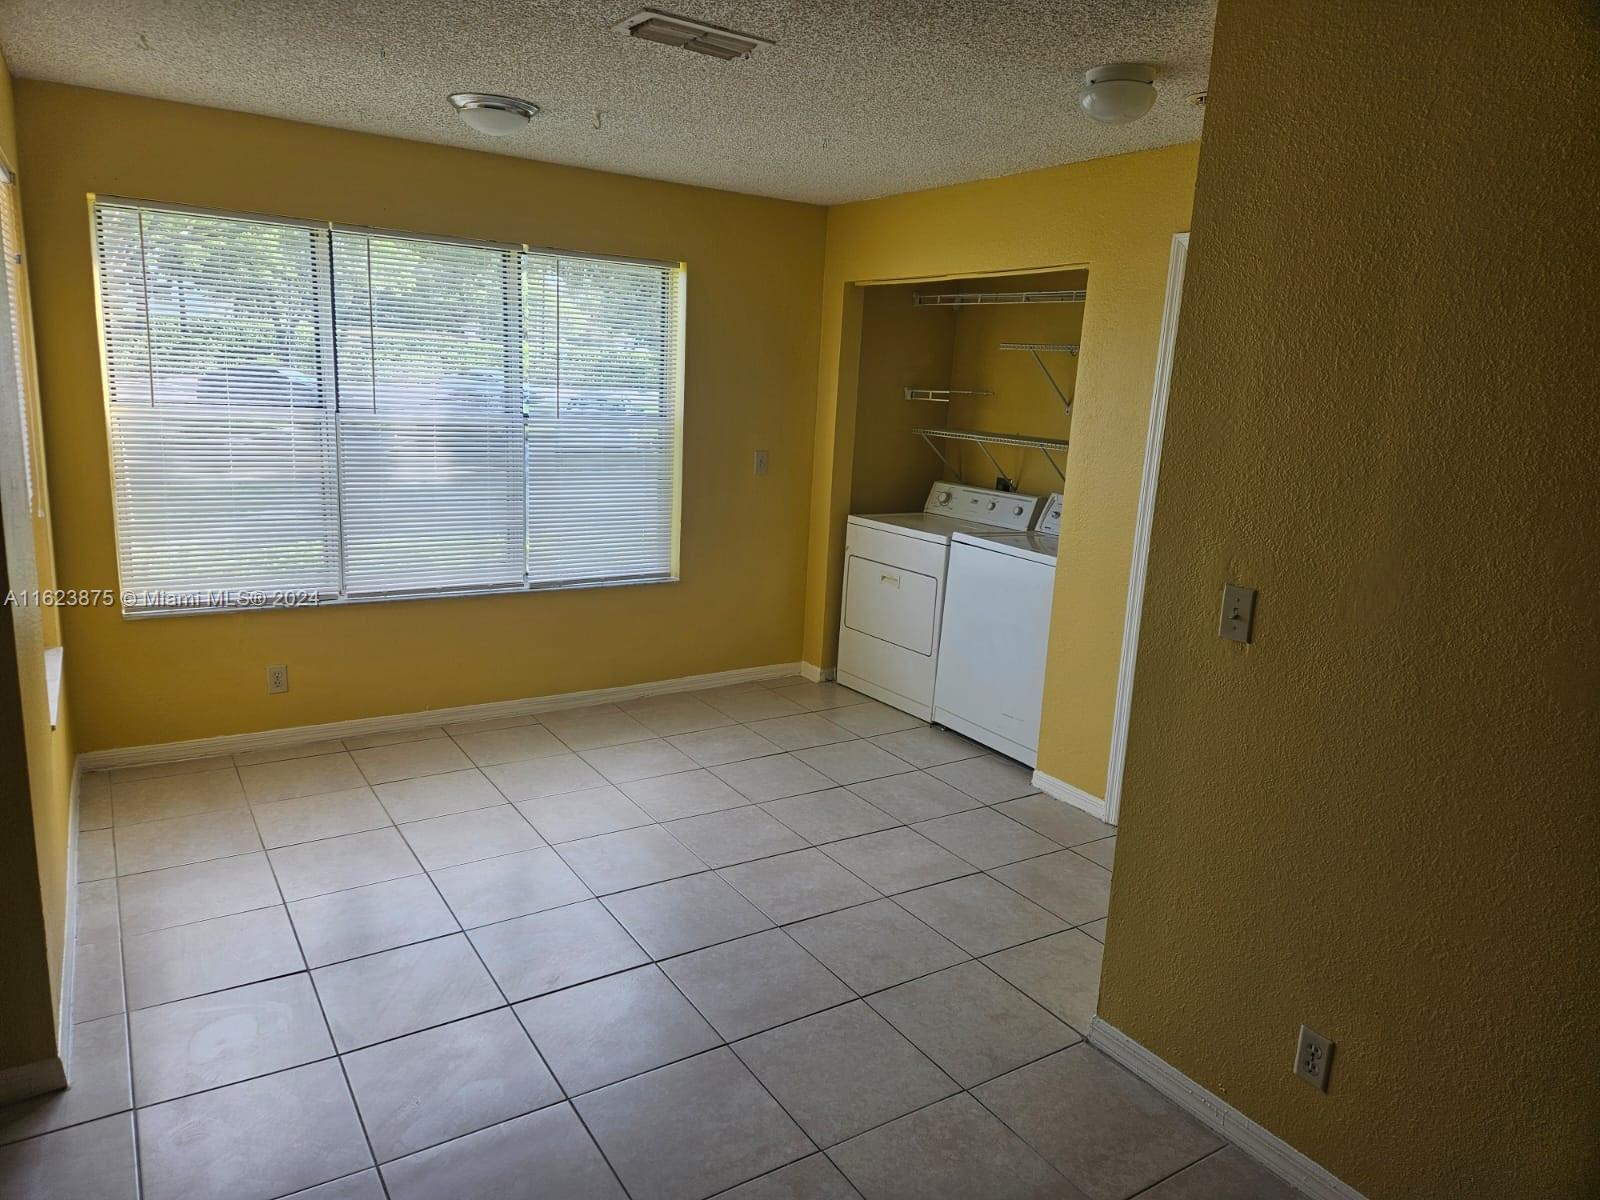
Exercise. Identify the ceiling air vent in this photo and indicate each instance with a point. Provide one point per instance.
(662, 27)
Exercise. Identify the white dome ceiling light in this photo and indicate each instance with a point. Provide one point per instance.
(1118, 92)
(495, 116)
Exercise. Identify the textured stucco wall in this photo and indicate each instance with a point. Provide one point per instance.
(1381, 818)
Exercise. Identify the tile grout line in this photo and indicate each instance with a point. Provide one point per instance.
(327, 1025)
(337, 1179)
(724, 1044)
(1084, 1043)
(571, 1098)
(881, 896)
(771, 1171)
(855, 996)
(969, 1091)
(228, 760)
(731, 1045)
(820, 846)
(127, 1026)
(1145, 1191)
(468, 932)
(728, 1046)
(480, 769)
(749, 802)
(566, 1097)
(122, 940)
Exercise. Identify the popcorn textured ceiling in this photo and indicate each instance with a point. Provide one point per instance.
(855, 99)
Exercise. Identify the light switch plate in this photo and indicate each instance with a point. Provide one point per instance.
(761, 462)
(1238, 611)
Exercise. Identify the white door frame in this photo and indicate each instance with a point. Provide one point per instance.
(1141, 528)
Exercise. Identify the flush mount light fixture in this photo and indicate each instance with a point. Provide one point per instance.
(1118, 92)
(652, 26)
(493, 115)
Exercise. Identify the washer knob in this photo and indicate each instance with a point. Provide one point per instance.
(944, 497)
(991, 506)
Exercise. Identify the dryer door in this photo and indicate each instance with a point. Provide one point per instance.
(889, 624)
(891, 604)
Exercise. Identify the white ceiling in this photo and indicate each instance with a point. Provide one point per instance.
(855, 100)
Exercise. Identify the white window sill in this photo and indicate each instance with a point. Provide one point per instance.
(318, 602)
(52, 682)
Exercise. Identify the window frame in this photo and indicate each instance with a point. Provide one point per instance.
(676, 272)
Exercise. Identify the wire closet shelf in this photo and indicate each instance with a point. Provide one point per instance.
(941, 395)
(1048, 447)
(959, 299)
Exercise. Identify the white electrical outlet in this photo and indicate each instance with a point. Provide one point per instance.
(1312, 1057)
(277, 680)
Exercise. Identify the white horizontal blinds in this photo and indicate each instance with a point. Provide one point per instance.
(603, 409)
(11, 248)
(217, 336)
(430, 414)
(297, 408)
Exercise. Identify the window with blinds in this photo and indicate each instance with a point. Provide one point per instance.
(317, 410)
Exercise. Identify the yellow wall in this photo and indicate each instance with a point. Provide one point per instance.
(35, 768)
(753, 276)
(1381, 818)
(901, 346)
(29, 971)
(1113, 216)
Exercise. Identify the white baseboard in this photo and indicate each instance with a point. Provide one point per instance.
(31, 1079)
(234, 743)
(1267, 1148)
(1067, 794)
(815, 673)
(69, 931)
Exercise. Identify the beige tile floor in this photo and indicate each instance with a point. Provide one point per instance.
(771, 940)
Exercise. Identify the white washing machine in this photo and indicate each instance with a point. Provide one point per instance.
(894, 584)
(996, 628)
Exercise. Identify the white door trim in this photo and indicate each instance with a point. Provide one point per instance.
(1141, 529)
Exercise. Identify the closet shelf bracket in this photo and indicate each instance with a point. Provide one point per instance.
(1038, 348)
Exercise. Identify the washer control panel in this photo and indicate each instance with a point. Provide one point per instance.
(1005, 510)
(1050, 517)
